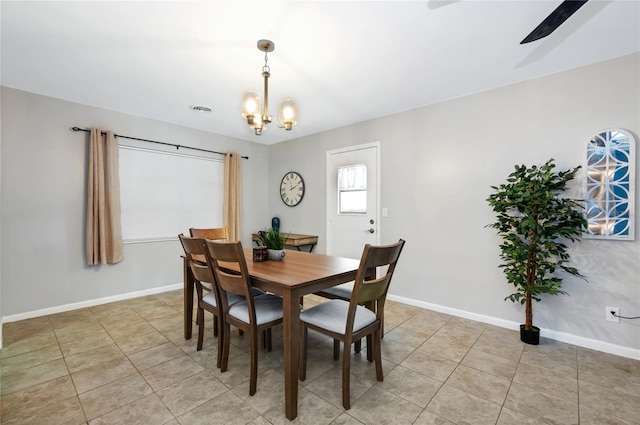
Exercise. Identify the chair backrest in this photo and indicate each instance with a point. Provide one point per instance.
(232, 254)
(215, 233)
(196, 253)
(367, 287)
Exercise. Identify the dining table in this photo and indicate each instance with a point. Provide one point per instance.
(299, 273)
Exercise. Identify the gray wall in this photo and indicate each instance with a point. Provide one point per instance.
(43, 201)
(438, 163)
(0, 219)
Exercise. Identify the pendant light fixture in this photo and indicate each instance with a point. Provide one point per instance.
(257, 113)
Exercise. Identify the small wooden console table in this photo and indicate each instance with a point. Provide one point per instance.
(294, 239)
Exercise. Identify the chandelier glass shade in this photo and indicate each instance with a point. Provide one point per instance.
(256, 111)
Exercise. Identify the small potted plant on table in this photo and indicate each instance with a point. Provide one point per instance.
(274, 240)
(534, 221)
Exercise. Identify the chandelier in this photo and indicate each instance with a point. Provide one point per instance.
(257, 114)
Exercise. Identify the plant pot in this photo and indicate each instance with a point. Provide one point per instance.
(531, 336)
(275, 254)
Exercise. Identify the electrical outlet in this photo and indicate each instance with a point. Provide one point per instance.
(613, 317)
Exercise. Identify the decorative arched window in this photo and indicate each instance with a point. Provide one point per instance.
(610, 185)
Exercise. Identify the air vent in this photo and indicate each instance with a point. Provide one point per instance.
(200, 108)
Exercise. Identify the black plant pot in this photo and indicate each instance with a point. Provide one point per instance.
(531, 336)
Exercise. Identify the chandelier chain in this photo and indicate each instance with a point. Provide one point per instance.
(266, 68)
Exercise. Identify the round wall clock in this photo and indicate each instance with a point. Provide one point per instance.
(292, 189)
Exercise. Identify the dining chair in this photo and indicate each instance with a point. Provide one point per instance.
(195, 250)
(254, 314)
(214, 233)
(343, 292)
(349, 321)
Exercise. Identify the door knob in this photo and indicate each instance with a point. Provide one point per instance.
(370, 230)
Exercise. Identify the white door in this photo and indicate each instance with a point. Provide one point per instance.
(353, 188)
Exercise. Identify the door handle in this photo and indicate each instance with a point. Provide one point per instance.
(370, 230)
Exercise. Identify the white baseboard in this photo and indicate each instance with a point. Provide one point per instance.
(579, 341)
(508, 324)
(90, 303)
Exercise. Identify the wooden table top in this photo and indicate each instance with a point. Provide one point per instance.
(299, 268)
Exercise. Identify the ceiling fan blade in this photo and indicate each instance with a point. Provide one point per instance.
(554, 20)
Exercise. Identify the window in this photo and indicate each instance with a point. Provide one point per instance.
(352, 189)
(163, 194)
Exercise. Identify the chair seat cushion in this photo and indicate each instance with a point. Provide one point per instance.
(332, 316)
(206, 285)
(256, 292)
(342, 291)
(210, 297)
(268, 308)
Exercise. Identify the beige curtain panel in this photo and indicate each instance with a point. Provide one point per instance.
(103, 232)
(232, 206)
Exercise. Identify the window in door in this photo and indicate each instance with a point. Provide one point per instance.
(352, 189)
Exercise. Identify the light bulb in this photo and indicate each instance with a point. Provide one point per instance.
(287, 113)
(251, 106)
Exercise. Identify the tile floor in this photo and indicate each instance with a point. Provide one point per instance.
(128, 363)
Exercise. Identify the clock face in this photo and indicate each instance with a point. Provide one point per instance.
(292, 189)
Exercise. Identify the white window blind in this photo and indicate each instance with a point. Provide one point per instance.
(163, 194)
(352, 189)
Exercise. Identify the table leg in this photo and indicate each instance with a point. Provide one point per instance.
(291, 334)
(311, 246)
(188, 298)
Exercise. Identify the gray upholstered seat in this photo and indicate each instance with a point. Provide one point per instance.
(207, 285)
(210, 297)
(341, 291)
(268, 309)
(332, 316)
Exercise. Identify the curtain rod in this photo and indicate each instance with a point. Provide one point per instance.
(86, 130)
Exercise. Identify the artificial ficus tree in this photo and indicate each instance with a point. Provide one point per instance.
(535, 221)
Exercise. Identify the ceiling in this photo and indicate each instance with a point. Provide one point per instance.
(343, 61)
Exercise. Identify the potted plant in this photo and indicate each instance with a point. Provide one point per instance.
(274, 240)
(535, 221)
